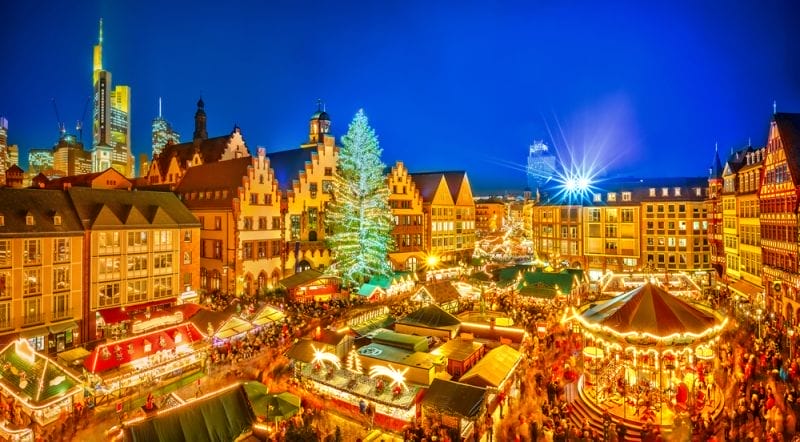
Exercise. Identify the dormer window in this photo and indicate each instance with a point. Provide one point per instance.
(2, 220)
(677, 191)
(612, 196)
(652, 191)
(57, 220)
(665, 191)
(29, 220)
(598, 197)
(626, 196)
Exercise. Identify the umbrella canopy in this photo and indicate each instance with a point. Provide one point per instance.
(271, 406)
(652, 310)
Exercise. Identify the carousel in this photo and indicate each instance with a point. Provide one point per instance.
(647, 358)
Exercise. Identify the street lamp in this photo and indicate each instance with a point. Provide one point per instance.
(791, 341)
(758, 320)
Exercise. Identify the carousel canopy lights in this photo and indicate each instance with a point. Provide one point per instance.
(324, 356)
(396, 376)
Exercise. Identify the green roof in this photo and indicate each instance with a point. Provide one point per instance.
(45, 380)
(367, 290)
(223, 416)
(547, 280)
(454, 398)
(385, 282)
(303, 278)
(401, 340)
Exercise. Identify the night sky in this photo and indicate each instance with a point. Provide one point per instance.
(644, 88)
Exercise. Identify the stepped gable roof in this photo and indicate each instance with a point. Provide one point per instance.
(110, 208)
(287, 165)
(454, 398)
(43, 205)
(431, 316)
(789, 131)
(652, 310)
(219, 175)
(211, 150)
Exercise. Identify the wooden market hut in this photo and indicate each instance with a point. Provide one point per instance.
(311, 285)
(430, 320)
(456, 406)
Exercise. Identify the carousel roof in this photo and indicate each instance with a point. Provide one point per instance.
(650, 309)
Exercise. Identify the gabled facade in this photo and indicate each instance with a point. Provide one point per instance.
(778, 199)
(238, 205)
(713, 207)
(730, 209)
(748, 179)
(169, 166)
(41, 271)
(305, 180)
(449, 210)
(140, 253)
(409, 230)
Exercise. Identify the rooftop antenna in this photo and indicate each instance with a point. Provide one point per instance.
(774, 106)
(749, 142)
(159, 107)
(319, 104)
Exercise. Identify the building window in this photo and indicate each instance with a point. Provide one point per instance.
(61, 278)
(162, 240)
(32, 283)
(108, 242)
(328, 171)
(162, 263)
(276, 223)
(677, 191)
(612, 196)
(262, 249)
(312, 189)
(137, 290)
(137, 241)
(218, 249)
(5, 252)
(253, 198)
(597, 198)
(327, 187)
(268, 199)
(594, 215)
(162, 287)
(108, 268)
(29, 220)
(665, 191)
(57, 220)
(217, 223)
(187, 236)
(32, 252)
(33, 310)
(137, 266)
(626, 196)
(247, 223)
(60, 305)
(627, 215)
(61, 250)
(187, 257)
(262, 223)
(652, 191)
(108, 294)
(295, 226)
(5, 315)
(247, 251)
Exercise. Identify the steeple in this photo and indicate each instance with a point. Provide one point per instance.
(319, 125)
(200, 121)
(98, 54)
(715, 171)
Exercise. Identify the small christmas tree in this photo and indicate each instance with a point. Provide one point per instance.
(354, 362)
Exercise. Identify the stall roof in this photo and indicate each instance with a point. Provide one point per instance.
(268, 315)
(368, 290)
(302, 350)
(303, 278)
(366, 327)
(398, 356)
(493, 368)
(401, 340)
(32, 375)
(431, 316)
(458, 349)
(113, 354)
(223, 415)
(232, 327)
(454, 398)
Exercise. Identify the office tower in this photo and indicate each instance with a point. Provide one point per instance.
(162, 133)
(40, 161)
(541, 165)
(111, 134)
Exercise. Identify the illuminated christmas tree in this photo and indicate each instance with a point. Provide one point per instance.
(359, 215)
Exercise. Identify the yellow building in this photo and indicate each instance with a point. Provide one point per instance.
(450, 215)
(556, 232)
(239, 208)
(741, 180)
(135, 256)
(409, 232)
(489, 215)
(41, 269)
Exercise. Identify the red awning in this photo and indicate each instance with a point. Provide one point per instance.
(117, 314)
(114, 354)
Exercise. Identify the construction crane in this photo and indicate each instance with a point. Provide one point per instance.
(61, 128)
(79, 123)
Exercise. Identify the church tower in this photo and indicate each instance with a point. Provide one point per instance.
(200, 121)
(319, 125)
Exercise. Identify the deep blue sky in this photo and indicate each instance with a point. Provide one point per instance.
(642, 87)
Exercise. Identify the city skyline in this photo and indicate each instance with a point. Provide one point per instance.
(627, 86)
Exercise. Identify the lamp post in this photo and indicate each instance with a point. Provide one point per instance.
(758, 322)
(791, 341)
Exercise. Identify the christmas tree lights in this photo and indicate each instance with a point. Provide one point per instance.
(359, 214)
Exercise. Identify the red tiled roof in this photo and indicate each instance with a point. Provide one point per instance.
(124, 351)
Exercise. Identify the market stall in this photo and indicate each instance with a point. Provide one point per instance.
(144, 359)
(233, 327)
(268, 316)
(34, 392)
(455, 406)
